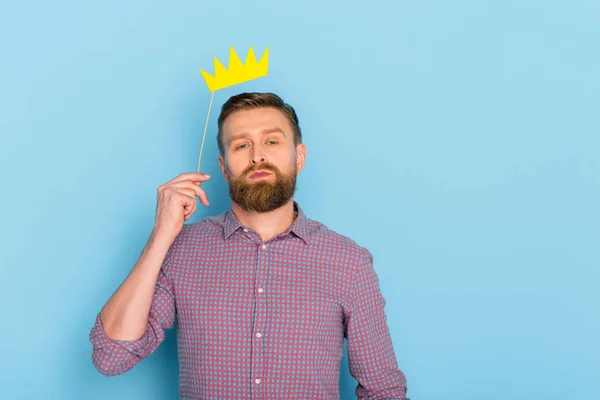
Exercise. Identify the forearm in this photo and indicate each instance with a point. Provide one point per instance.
(125, 315)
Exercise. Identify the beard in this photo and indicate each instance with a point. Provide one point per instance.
(263, 196)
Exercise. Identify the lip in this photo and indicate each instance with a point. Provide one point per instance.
(259, 174)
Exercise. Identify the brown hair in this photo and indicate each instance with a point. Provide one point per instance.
(249, 101)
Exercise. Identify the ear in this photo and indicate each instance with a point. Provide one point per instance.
(223, 168)
(300, 157)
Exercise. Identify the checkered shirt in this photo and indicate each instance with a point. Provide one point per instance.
(265, 319)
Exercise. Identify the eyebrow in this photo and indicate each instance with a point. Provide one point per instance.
(263, 132)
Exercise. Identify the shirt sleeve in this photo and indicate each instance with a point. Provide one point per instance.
(371, 356)
(113, 357)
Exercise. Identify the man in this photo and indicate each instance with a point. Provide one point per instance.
(263, 295)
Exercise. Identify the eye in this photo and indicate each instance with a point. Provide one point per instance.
(272, 142)
(241, 146)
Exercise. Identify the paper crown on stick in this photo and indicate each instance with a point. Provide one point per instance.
(235, 73)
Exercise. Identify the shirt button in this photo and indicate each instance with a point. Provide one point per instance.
(264, 246)
(258, 334)
(245, 230)
(257, 381)
(260, 290)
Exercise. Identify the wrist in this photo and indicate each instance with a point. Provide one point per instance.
(160, 240)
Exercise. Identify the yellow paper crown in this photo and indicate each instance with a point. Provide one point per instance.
(236, 71)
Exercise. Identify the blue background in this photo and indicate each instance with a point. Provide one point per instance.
(457, 140)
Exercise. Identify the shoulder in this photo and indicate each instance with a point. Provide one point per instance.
(326, 238)
(198, 234)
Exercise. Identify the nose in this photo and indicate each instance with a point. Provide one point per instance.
(257, 156)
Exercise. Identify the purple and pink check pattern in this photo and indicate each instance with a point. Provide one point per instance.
(265, 320)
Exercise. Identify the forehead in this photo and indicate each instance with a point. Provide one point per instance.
(255, 120)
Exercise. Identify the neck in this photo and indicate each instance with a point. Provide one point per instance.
(267, 224)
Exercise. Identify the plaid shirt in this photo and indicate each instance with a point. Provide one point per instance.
(265, 320)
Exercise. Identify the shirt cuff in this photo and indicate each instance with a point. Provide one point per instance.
(100, 340)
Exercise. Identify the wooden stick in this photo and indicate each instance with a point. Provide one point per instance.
(205, 127)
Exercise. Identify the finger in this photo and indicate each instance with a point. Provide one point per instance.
(189, 211)
(192, 176)
(191, 193)
(188, 203)
(203, 198)
(184, 185)
(195, 188)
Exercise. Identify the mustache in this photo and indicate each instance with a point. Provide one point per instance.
(264, 167)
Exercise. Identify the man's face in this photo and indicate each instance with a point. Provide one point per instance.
(261, 161)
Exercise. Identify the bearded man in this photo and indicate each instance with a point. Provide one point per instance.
(264, 297)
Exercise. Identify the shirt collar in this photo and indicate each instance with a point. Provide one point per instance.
(299, 226)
